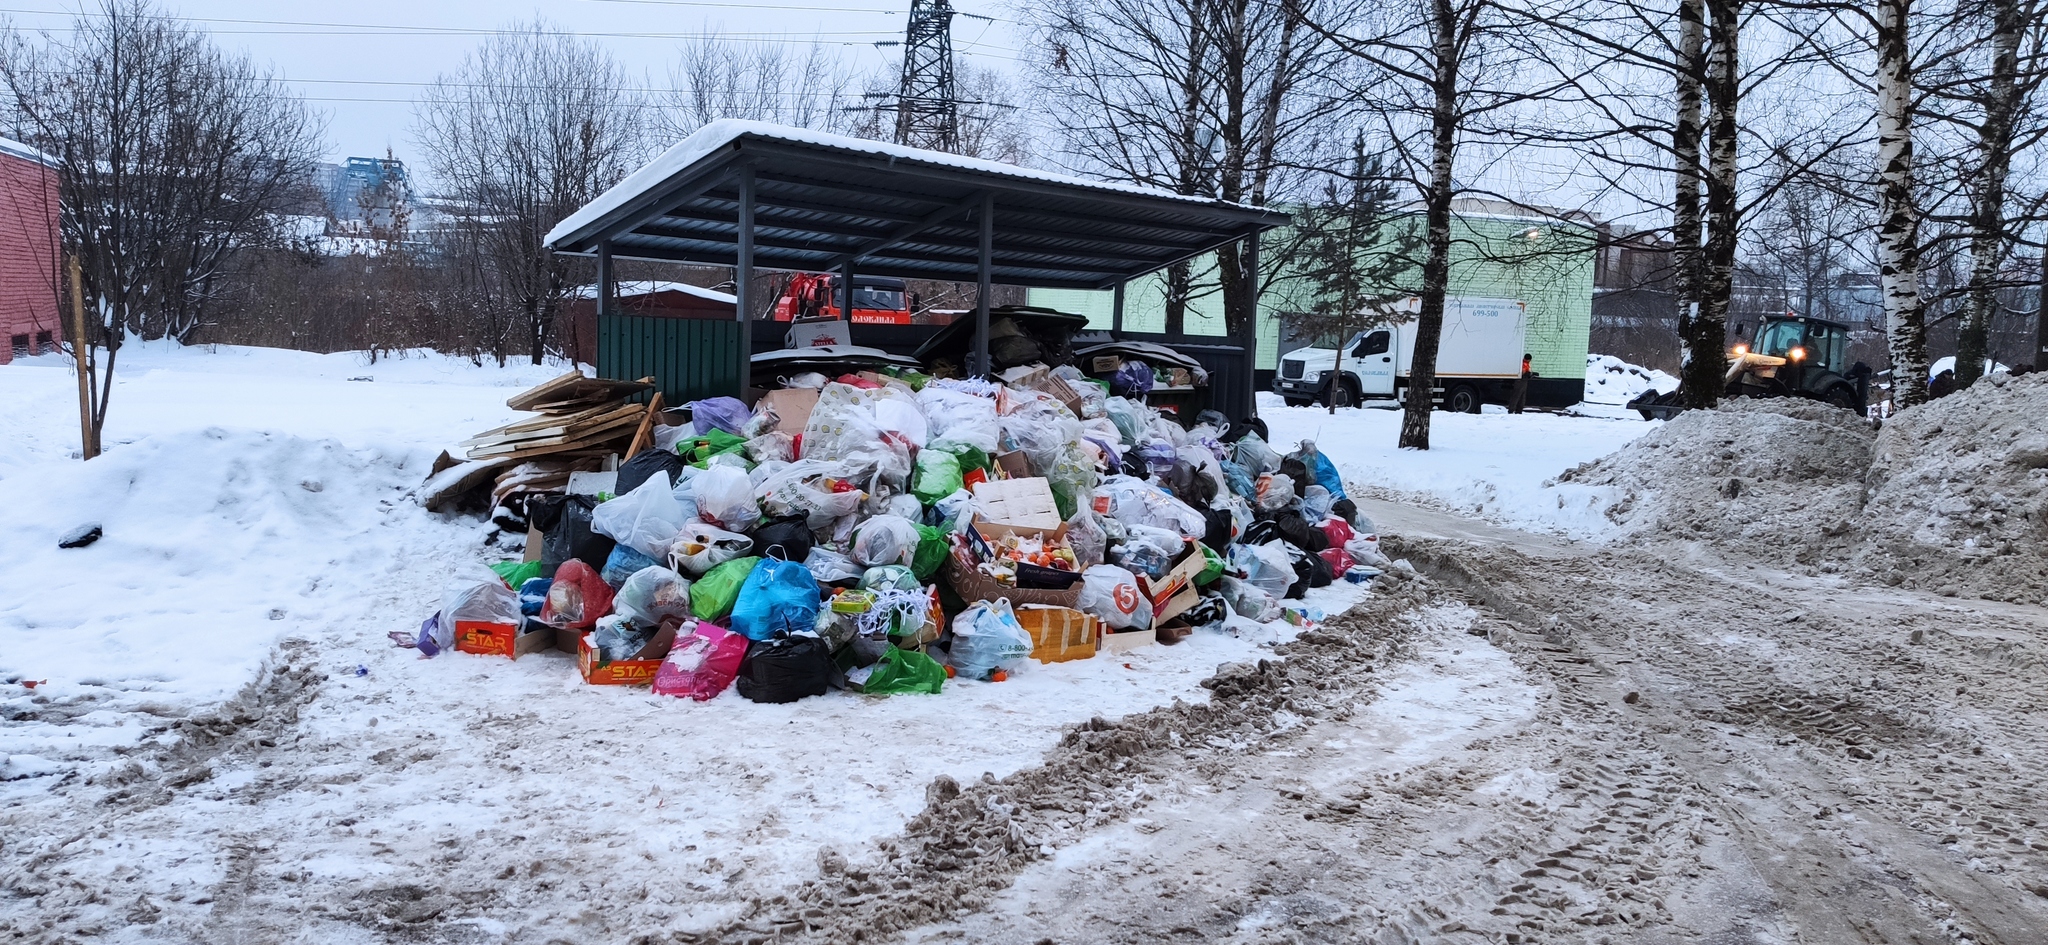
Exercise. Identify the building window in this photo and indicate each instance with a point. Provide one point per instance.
(19, 345)
(43, 342)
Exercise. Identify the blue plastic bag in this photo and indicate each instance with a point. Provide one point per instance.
(624, 563)
(533, 595)
(778, 596)
(1320, 469)
(726, 414)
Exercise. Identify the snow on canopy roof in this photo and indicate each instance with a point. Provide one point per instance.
(628, 290)
(718, 134)
(16, 148)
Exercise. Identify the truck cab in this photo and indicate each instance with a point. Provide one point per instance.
(1307, 373)
(1794, 355)
(1479, 356)
(877, 300)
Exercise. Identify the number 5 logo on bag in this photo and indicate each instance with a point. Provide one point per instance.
(1127, 598)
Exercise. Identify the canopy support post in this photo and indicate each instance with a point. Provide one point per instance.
(607, 290)
(982, 367)
(846, 295)
(1116, 312)
(1248, 397)
(743, 281)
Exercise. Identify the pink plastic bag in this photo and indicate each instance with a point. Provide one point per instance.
(1338, 531)
(702, 664)
(1337, 558)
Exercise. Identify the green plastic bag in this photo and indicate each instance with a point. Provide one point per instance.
(932, 549)
(905, 671)
(938, 476)
(698, 452)
(972, 458)
(1212, 565)
(516, 573)
(712, 597)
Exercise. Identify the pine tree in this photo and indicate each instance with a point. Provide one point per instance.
(1351, 254)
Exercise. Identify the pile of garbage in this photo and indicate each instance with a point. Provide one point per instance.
(884, 532)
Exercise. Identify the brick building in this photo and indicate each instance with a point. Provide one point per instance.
(29, 259)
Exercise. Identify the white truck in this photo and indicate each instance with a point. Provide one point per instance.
(1477, 358)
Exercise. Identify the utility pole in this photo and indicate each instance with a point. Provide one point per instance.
(2040, 361)
(927, 110)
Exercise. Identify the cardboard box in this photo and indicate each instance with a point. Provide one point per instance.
(1013, 464)
(1104, 364)
(792, 408)
(1122, 642)
(816, 332)
(638, 671)
(1027, 502)
(499, 639)
(1175, 592)
(1059, 634)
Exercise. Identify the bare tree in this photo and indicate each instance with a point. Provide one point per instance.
(174, 153)
(531, 127)
(805, 86)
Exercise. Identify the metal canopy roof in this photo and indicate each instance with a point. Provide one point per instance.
(822, 201)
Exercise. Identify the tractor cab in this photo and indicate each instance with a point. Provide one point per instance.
(1794, 355)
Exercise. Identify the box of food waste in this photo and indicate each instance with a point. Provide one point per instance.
(637, 671)
(1059, 634)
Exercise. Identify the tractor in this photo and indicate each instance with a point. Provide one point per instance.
(1793, 356)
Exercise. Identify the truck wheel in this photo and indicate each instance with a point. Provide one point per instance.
(1463, 398)
(1296, 401)
(1843, 397)
(1352, 398)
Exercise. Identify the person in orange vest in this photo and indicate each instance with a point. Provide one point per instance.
(1520, 398)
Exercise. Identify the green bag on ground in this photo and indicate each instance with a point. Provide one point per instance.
(905, 671)
(698, 451)
(938, 476)
(516, 573)
(1212, 566)
(712, 596)
(932, 549)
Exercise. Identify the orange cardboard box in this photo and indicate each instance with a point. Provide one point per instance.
(1059, 634)
(638, 671)
(499, 639)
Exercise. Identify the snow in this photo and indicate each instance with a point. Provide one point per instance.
(719, 134)
(1494, 466)
(1610, 381)
(628, 290)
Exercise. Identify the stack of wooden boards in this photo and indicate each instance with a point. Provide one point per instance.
(582, 422)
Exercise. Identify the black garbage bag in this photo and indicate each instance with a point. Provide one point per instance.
(1346, 510)
(1286, 526)
(785, 669)
(564, 521)
(643, 466)
(1216, 533)
(1297, 471)
(788, 533)
(1310, 570)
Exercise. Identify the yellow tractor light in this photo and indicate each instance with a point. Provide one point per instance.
(1798, 353)
(1741, 350)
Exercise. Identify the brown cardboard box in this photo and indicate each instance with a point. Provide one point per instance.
(499, 639)
(1013, 464)
(792, 407)
(1059, 634)
(1175, 592)
(638, 671)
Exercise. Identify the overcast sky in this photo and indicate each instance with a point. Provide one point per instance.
(362, 62)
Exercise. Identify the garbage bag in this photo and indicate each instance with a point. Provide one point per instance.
(1320, 470)
(897, 412)
(712, 597)
(778, 596)
(577, 598)
(986, 638)
(831, 567)
(1266, 567)
(1366, 551)
(516, 573)
(645, 519)
(724, 414)
(1310, 570)
(642, 467)
(480, 600)
(1134, 379)
(955, 506)
(701, 664)
(1089, 541)
(771, 447)
(651, 595)
(1255, 456)
(725, 496)
(890, 577)
(1248, 599)
(885, 539)
(932, 549)
(937, 476)
(1222, 528)
(700, 547)
(565, 522)
(1131, 418)
(1315, 503)
(1337, 532)
(1072, 479)
(1239, 480)
(958, 418)
(1338, 560)
(1134, 501)
(1111, 594)
(785, 669)
(699, 450)
(1212, 566)
(791, 534)
(1276, 492)
(903, 671)
(623, 563)
(533, 595)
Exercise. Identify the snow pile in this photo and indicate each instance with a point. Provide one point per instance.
(1771, 476)
(217, 543)
(1613, 382)
(1958, 493)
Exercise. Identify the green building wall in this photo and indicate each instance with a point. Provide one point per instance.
(1544, 262)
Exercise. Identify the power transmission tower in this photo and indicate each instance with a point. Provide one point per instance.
(927, 110)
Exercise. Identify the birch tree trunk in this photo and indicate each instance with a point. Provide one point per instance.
(1436, 265)
(1699, 382)
(1987, 211)
(1898, 227)
(1707, 344)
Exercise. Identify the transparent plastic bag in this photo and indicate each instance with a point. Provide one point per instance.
(1266, 567)
(645, 519)
(958, 418)
(885, 539)
(1276, 492)
(475, 600)
(652, 594)
(1085, 534)
(1134, 501)
(1315, 503)
(986, 638)
(726, 497)
(1111, 594)
(1255, 456)
(1248, 600)
(700, 547)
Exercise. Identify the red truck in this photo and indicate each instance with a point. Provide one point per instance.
(877, 300)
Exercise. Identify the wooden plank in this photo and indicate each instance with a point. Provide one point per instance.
(640, 436)
(597, 419)
(575, 387)
(613, 429)
(547, 390)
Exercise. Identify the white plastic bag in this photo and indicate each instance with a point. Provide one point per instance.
(726, 497)
(483, 599)
(1111, 594)
(956, 417)
(831, 567)
(652, 594)
(1366, 551)
(645, 519)
(1277, 493)
(1134, 501)
(884, 539)
(986, 638)
(897, 411)
(700, 547)
(1266, 567)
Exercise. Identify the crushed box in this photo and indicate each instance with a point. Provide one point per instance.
(499, 639)
(1175, 592)
(638, 671)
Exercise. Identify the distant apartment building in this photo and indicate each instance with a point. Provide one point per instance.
(30, 260)
(366, 197)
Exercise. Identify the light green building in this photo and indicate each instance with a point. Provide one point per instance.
(1497, 251)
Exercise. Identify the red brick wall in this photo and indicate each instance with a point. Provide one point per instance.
(28, 253)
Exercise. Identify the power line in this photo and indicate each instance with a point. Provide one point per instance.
(314, 28)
